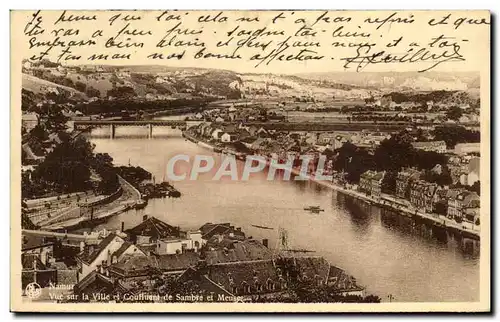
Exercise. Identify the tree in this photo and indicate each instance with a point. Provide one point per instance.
(389, 182)
(67, 167)
(455, 134)
(441, 179)
(426, 160)
(454, 113)
(53, 117)
(476, 187)
(122, 92)
(92, 92)
(80, 86)
(441, 208)
(395, 153)
(352, 160)
(39, 133)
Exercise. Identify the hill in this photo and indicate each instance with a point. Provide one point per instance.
(44, 87)
(389, 81)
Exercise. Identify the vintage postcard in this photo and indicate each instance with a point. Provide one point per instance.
(250, 161)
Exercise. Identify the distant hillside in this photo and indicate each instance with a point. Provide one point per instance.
(446, 97)
(141, 81)
(41, 86)
(429, 81)
(156, 82)
(271, 85)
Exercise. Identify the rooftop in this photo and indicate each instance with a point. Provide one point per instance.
(155, 228)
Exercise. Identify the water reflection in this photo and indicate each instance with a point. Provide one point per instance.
(430, 232)
(359, 212)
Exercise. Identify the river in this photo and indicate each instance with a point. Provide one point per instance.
(387, 253)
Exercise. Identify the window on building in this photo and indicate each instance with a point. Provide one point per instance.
(270, 285)
(246, 288)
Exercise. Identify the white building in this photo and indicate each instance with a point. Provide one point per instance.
(227, 137)
(109, 251)
(193, 241)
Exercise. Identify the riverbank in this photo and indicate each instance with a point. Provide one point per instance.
(128, 199)
(384, 201)
(143, 183)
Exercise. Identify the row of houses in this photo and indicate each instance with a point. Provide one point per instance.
(458, 203)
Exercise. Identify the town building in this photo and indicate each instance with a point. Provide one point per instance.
(404, 180)
(110, 250)
(473, 173)
(422, 195)
(224, 250)
(98, 284)
(228, 137)
(140, 268)
(40, 246)
(370, 182)
(440, 197)
(436, 146)
(325, 138)
(162, 239)
(465, 148)
(269, 278)
(462, 202)
(29, 120)
(209, 230)
(216, 134)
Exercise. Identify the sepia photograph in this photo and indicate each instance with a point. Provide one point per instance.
(321, 161)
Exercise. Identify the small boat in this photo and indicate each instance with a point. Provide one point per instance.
(315, 209)
(262, 227)
(301, 251)
(141, 204)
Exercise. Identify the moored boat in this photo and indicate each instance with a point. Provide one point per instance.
(141, 204)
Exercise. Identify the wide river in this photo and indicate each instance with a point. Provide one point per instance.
(390, 255)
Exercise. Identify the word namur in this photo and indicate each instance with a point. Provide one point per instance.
(230, 169)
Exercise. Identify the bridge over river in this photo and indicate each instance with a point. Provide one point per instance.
(85, 125)
(279, 126)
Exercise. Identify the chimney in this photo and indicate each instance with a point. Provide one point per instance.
(265, 242)
(238, 229)
(123, 226)
(144, 218)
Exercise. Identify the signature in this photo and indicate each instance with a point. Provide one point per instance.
(434, 56)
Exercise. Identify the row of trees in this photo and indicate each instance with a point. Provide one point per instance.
(131, 104)
(455, 134)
